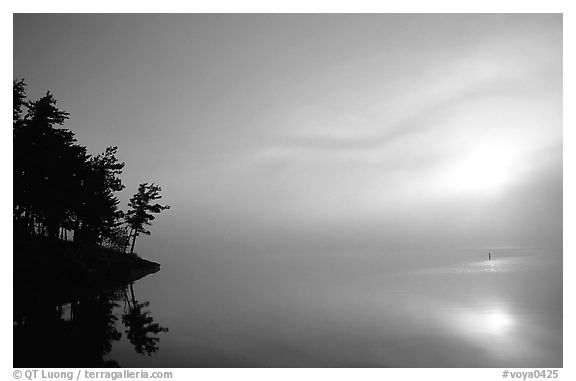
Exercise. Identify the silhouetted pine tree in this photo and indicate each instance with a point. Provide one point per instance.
(139, 215)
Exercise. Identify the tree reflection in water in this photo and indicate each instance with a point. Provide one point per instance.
(80, 333)
(141, 329)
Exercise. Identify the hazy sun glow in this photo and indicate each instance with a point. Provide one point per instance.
(484, 171)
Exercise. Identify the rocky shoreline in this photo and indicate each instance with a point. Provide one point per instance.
(58, 271)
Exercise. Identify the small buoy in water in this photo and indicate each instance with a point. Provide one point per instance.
(489, 257)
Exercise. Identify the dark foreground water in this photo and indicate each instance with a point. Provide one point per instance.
(308, 310)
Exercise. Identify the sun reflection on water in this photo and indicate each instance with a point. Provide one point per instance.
(484, 322)
(498, 322)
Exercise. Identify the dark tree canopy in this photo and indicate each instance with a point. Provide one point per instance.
(48, 165)
(60, 188)
(99, 206)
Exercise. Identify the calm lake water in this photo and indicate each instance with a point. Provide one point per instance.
(342, 310)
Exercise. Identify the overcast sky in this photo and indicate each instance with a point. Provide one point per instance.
(333, 131)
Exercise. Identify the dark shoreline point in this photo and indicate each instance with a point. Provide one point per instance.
(58, 272)
(89, 281)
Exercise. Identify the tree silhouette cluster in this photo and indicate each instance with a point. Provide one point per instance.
(60, 188)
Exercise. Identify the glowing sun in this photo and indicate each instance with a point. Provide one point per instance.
(483, 171)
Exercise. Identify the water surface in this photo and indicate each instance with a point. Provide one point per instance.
(370, 310)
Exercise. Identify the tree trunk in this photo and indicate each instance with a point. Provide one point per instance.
(133, 242)
(127, 301)
(127, 242)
